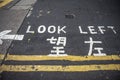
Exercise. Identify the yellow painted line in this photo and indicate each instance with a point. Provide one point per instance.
(69, 57)
(51, 68)
(1, 56)
(5, 2)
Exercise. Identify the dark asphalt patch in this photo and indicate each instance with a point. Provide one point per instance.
(69, 16)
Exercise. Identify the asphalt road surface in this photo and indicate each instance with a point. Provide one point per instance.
(64, 40)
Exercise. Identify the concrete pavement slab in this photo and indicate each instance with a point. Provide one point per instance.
(10, 20)
(24, 4)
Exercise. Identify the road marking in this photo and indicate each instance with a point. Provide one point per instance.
(49, 29)
(5, 2)
(2, 56)
(59, 68)
(3, 35)
(69, 57)
(91, 42)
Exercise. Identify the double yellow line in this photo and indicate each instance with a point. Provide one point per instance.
(60, 68)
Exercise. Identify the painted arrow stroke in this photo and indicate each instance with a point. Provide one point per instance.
(4, 35)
